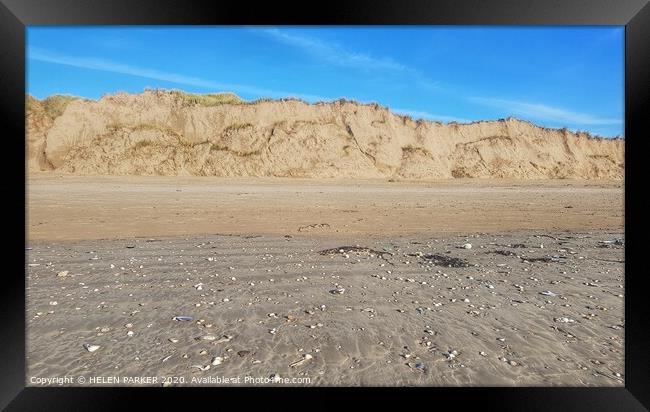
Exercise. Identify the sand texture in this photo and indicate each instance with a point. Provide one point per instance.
(167, 133)
(373, 280)
(105, 207)
(387, 311)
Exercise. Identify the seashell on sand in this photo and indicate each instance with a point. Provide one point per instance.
(90, 348)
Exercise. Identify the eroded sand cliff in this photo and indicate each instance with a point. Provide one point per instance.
(173, 133)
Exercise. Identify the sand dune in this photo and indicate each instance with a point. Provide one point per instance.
(173, 133)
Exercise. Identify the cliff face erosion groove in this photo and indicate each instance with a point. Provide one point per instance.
(166, 133)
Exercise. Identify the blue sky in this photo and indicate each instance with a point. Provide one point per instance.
(553, 76)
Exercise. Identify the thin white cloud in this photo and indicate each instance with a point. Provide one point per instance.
(430, 116)
(91, 63)
(38, 54)
(337, 55)
(330, 52)
(544, 112)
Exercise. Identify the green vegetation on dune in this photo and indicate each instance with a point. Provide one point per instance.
(32, 103)
(52, 106)
(207, 100)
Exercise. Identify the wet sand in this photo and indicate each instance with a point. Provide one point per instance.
(406, 305)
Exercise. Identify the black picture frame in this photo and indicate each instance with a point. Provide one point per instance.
(15, 15)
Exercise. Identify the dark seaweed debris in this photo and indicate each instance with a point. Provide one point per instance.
(610, 243)
(357, 249)
(502, 252)
(513, 246)
(448, 261)
(544, 259)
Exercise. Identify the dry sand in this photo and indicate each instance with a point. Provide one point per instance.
(243, 259)
(105, 207)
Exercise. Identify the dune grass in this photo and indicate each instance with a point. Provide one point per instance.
(207, 100)
(52, 106)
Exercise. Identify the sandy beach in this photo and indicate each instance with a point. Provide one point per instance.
(299, 282)
(391, 216)
(66, 207)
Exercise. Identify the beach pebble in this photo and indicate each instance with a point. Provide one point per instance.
(183, 318)
(467, 246)
(90, 348)
(207, 337)
(62, 274)
(224, 338)
(419, 366)
(304, 359)
(217, 360)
